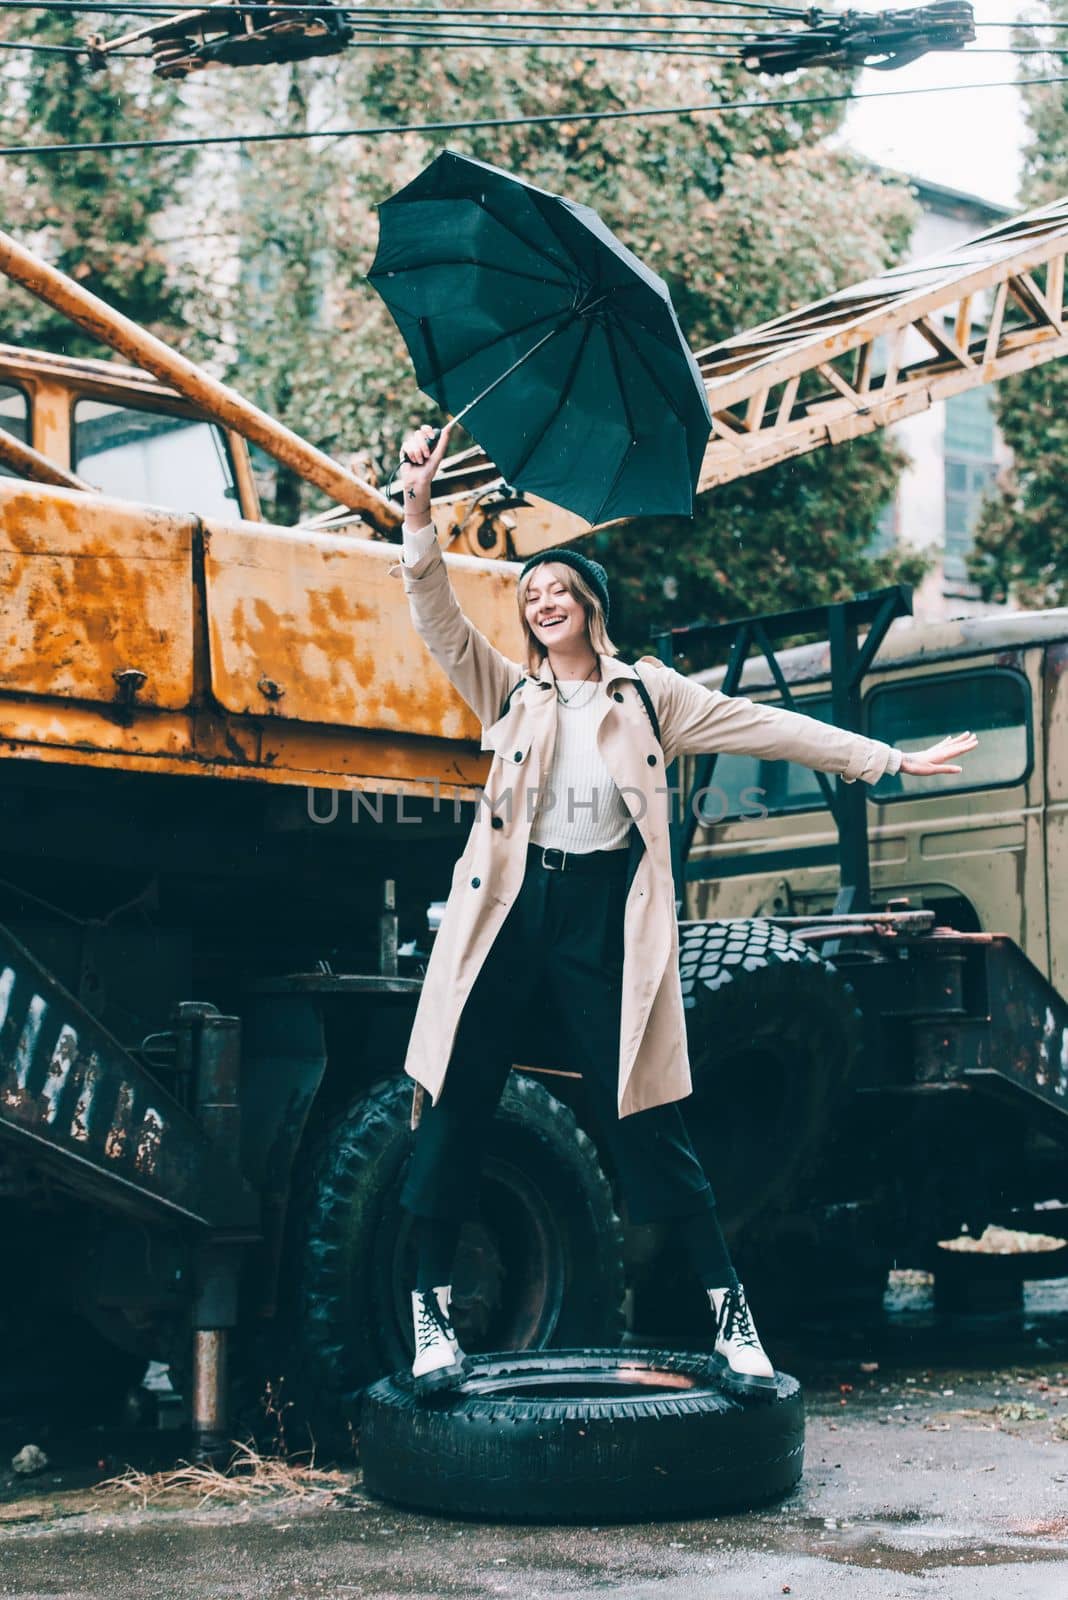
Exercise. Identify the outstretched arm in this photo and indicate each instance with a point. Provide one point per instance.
(701, 720)
(475, 668)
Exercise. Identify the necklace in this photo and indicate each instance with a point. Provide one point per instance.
(566, 699)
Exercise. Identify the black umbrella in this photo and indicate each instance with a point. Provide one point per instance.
(525, 315)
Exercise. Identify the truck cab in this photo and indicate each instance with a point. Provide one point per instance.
(984, 851)
(121, 432)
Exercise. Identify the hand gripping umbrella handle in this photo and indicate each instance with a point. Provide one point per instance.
(431, 441)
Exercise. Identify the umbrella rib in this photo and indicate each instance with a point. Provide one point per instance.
(483, 266)
(614, 353)
(653, 377)
(547, 217)
(509, 333)
(618, 370)
(540, 435)
(537, 249)
(610, 491)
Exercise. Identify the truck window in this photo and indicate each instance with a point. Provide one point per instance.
(742, 784)
(994, 702)
(153, 457)
(14, 418)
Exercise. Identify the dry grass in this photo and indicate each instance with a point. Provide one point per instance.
(247, 1476)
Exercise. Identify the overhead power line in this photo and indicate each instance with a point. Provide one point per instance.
(161, 8)
(721, 108)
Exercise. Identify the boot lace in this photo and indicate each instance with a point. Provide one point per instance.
(735, 1320)
(430, 1324)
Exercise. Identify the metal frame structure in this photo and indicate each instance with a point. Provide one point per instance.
(889, 347)
(840, 623)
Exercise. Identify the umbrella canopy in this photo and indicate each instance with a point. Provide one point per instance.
(522, 311)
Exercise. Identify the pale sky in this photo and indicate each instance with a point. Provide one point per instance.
(969, 140)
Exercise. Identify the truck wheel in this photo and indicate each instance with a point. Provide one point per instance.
(581, 1436)
(774, 1033)
(542, 1265)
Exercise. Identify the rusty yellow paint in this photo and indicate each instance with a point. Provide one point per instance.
(90, 588)
(311, 627)
(50, 406)
(214, 745)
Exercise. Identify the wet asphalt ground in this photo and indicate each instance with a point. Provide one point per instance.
(936, 1466)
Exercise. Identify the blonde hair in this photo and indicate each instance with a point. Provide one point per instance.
(596, 627)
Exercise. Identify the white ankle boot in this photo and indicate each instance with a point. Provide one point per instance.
(438, 1357)
(739, 1354)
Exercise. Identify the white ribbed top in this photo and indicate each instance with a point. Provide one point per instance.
(579, 807)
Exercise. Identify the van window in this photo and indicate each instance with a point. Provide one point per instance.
(14, 419)
(155, 458)
(741, 785)
(994, 702)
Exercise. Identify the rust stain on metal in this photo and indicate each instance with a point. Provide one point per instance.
(27, 1044)
(83, 1108)
(64, 1055)
(149, 1139)
(119, 1132)
(92, 590)
(325, 618)
(209, 1380)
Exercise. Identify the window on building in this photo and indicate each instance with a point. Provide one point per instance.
(14, 419)
(154, 457)
(884, 540)
(970, 467)
(994, 703)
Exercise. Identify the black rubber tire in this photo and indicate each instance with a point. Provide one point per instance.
(540, 1437)
(544, 1266)
(774, 1034)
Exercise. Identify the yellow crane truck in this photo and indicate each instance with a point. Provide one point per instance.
(233, 782)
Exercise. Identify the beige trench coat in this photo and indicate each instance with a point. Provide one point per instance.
(653, 1062)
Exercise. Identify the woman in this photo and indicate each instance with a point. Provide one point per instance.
(564, 893)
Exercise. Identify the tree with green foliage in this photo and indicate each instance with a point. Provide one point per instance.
(101, 217)
(744, 216)
(1021, 544)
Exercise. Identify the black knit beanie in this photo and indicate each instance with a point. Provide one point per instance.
(592, 571)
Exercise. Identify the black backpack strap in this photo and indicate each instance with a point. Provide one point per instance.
(647, 702)
(510, 695)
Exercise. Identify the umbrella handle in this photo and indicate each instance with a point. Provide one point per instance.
(552, 334)
(431, 441)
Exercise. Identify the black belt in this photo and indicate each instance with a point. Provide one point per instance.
(601, 863)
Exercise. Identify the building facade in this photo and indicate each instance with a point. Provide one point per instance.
(954, 450)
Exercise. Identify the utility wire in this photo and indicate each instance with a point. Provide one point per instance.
(719, 107)
(45, 49)
(453, 23)
(161, 9)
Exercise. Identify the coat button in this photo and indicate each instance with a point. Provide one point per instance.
(498, 822)
(519, 755)
(475, 882)
(617, 696)
(651, 760)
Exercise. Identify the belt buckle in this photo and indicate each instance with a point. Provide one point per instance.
(553, 850)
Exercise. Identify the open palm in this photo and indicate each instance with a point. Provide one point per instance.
(939, 758)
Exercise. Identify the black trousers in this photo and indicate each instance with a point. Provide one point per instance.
(551, 988)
